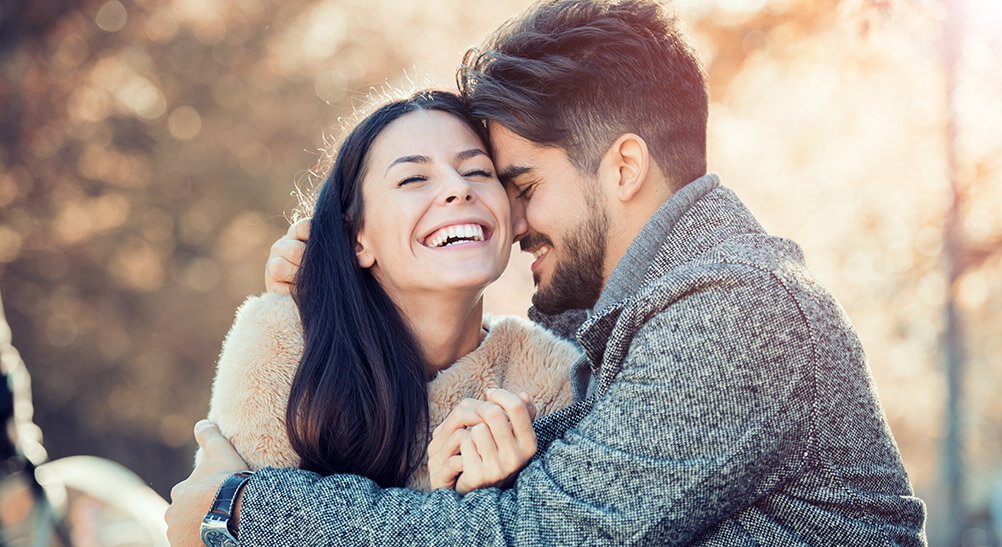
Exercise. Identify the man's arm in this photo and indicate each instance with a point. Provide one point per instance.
(192, 497)
(698, 423)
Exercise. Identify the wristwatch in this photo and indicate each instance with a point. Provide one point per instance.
(215, 529)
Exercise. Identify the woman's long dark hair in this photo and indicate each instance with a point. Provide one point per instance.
(359, 400)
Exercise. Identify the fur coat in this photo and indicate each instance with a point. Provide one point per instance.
(262, 351)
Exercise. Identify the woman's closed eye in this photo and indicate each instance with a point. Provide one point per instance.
(412, 179)
(480, 173)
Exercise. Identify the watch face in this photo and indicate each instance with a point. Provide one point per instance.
(218, 538)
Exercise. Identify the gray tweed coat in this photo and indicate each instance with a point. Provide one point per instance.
(723, 399)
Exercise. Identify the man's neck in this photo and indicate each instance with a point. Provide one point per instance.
(630, 265)
(628, 219)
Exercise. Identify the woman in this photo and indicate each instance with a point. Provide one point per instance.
(408, 230)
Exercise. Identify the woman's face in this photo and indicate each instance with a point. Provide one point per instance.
(435, 216)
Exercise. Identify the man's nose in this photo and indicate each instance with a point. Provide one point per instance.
(519, 225)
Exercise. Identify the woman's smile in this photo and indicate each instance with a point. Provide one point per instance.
(462, 234)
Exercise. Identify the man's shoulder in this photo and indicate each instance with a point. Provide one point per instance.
(747, 286)
(751, 264)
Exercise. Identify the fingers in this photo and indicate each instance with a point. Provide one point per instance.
(445, 466)
(487, 449)
(532, 407)
(206, 432)
(520, 416)
(471, 477)
(502, 438)
(285, 257)
(461, 417)
(290, 249)
(446, 447)
(494, 439)
(299, 230)
(218, 454)
(279, 275)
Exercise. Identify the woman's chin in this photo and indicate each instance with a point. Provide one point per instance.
(472, 281)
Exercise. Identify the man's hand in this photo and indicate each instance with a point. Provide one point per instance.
(192, 497)
(286, 254)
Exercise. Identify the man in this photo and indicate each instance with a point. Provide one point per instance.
(723, 397)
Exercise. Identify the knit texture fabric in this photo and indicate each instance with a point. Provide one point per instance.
(729, 403)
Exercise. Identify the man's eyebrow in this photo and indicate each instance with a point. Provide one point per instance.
(512, 171)
(471, 153)
(407, 159)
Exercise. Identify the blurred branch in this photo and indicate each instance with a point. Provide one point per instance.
(955, 254)
(20, 19)
(976, 255)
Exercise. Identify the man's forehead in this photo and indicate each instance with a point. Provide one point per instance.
(511, 151)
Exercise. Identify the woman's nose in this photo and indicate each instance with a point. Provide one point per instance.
(467, 196)
(457, 188)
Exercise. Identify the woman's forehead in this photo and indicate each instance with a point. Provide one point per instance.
(428, 133)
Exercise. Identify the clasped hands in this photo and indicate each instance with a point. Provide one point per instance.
(483, 443)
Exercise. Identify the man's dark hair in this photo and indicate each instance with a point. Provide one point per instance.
(577, 74)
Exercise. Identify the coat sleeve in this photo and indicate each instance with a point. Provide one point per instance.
(634, 470)
(254, 375)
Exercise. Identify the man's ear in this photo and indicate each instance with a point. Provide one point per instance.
(365, 258)
(626, 162)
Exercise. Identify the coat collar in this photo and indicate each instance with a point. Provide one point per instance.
(637, 267)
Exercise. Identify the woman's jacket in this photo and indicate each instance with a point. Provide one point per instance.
(263, 348)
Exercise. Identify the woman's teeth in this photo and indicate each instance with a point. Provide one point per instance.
(455, 234)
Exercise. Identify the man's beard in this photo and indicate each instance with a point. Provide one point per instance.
(577, 278)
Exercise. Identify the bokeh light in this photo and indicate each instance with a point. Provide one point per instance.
(150, 153)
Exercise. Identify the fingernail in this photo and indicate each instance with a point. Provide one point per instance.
(491, 390)
(202, 424)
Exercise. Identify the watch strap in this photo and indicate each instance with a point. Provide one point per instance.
(222, 505)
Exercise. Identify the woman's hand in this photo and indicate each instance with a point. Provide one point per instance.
(444, 460)
(483, 444)
(284, 258)
(500, 446)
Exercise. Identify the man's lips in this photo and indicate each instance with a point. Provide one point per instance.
(538, 246)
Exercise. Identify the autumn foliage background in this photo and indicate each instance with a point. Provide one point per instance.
(150, 151)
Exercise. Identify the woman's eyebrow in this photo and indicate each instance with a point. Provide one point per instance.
(471, 153)
(407, 159)
(465, 154)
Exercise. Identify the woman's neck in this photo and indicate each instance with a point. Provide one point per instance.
(445, 326)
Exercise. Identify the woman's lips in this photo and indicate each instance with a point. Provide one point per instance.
(464, 234)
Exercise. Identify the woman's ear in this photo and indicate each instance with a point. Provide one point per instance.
(365, 258)
(626, 162)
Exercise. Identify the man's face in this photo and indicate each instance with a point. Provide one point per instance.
(558, 215)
